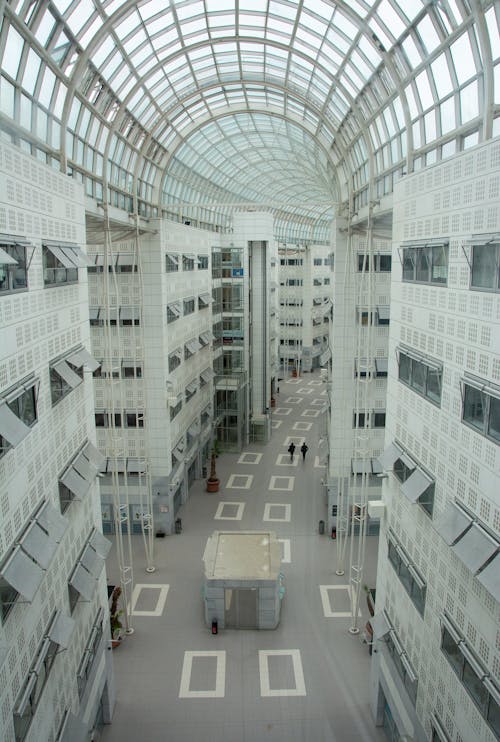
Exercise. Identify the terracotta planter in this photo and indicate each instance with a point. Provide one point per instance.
(213, 485)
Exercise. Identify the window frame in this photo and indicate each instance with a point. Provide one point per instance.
(13, 400)
(426, 263)
(17, 252)
(494, 268)
(488, 400)
(413, 363)
(62, 275)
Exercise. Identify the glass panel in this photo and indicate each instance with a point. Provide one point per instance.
(494, 419)
(474, 407)
(424, 257)
(493, 716)
(475, 686)
(433, 384)
(426, 499)
(439, 264)
(484, 266)
(409, 264)
(452, 652)
(404, 368)
(405, 577)
(418, 375)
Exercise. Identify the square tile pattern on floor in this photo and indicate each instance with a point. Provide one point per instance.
(305, 681)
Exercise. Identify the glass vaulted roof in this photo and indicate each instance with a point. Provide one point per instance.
(190, 107)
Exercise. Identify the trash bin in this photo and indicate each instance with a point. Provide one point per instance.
(178, 525)
(215, 627)
(321, 528)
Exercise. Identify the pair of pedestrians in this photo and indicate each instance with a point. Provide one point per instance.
(303, 449)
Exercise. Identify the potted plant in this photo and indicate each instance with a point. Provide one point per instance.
(116, 625)
(213, 481)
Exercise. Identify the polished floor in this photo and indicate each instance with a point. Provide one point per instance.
(306, 681)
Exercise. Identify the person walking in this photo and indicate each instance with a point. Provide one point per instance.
(291, 450)
(304, 449)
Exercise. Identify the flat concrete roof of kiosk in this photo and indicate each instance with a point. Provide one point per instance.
(242, 555)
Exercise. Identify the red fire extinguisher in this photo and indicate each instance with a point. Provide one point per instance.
(334, 533)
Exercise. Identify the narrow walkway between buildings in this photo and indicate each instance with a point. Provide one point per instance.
(168, 685)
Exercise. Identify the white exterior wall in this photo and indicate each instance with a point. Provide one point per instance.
(37, 326)
(460, 328)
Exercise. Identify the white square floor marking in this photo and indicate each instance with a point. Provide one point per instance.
(276, 423)
(274, 507)
(293, 400)
(219, 690)
(240, 506)
(317, 402)
(160, 601)
(305, 391)
(284, 484)
(284, 459)
(239, 482)
(310, 413)
(249, 457)
(297, 439)
(282, 410)
(302, 426)
(265, 685)
(326, 600)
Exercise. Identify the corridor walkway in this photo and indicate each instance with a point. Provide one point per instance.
(170, 683)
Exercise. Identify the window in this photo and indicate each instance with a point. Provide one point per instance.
(416, 485)
(202, 262)
(90, 653)
(408, 574)
(172, 263)
(191, 347)
(106, 419)
(174, 359)
(131, 370)
(316, 261)
(60, 264)
(126, 263)
(402, 665)
(129, 317)
(64, 377)
(175, 409)
(422, 375)
(378, 420)
(85, 575)
(13, 266)
(426, 263)
(188, 262)
(133, 419)
(475, 679)
(18, 414)
(380, 263)
(481, 409)
(188, 305)
(485, 268)
(173, 311)
(191, 389)
(203, 301)
(77, 478)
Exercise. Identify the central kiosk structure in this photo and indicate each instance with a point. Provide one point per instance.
(243, 584)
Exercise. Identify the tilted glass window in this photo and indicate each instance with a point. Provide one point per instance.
(426, 264)
(485, 267)
(13, 268)
(18, 413)
(481, 410)
(421, 374)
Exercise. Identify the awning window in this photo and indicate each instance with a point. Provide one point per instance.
(452, 523)
(415, 485)
(6, 259)
(175, 400)
(207, 374)
(38, 544)
(325, 357)
(22, 573)
(94, 456)
(475, 548)
(382, 365)
(116, 465)
(100, 544)
(361, 466)
(136, 466)
(75, 483)
(193, 429)
(130, 314)
(363, 365)
(376, 467)
(192, 387)
(390, 455)
(11, 427)
(177, 353)
(206, 337)
(126, 259)
(52, 521)
(83, 358)
(73, 730)
(92, 562)
(383, 312)
(489, 577)
(380, 625)
(70, 256)
(94, 313)
(67, 374)
(193, 345)
(204, 299)
(175, 308)
(61, 630)
(83, 582)
(78, 477)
